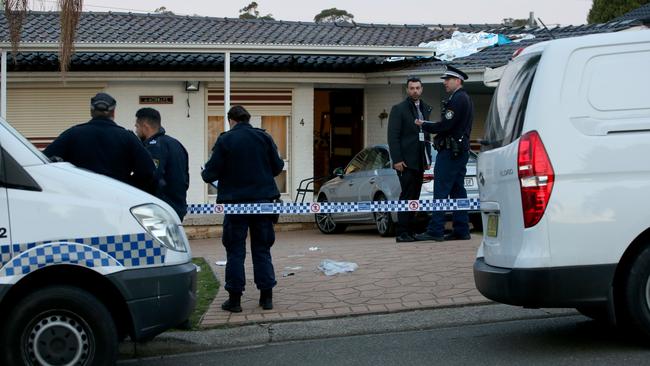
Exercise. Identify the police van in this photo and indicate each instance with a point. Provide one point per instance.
(564, 179)
(85, 260)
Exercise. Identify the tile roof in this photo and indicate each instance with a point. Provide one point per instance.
(640, 13)
(128, 27)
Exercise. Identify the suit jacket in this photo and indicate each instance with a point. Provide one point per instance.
(403, 134)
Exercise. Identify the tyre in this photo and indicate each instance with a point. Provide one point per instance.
(59, 325)
(384, 220)
(477, 221)
(326, 223)
(637, 293)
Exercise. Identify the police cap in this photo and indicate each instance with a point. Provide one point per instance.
(102, 102)
(452, 72)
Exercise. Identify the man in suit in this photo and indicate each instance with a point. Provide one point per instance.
(410, 151)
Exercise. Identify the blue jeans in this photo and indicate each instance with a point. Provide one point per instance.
(449, 182)
(235, 229)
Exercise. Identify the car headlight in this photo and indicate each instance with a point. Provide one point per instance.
(161, 225)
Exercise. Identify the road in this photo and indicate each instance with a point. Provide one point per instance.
(564, 340)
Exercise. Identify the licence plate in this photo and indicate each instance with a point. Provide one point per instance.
(492, 225)
(469, 183)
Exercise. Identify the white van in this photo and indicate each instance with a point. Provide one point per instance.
(85, 260)
(564, 179)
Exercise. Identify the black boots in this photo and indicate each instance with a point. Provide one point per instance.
(233, 304)
(266, 299)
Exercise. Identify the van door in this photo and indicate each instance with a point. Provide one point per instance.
(5, 237)
(498, 175)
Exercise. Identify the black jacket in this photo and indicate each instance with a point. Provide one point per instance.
(455, 120)
(403, 134)
(103, 147)
(244, 160)
(172, 174)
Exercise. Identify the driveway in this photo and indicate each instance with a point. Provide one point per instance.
(391, 277)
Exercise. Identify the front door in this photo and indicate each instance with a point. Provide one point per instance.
(5, 238)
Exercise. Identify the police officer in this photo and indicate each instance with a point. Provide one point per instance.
(101, 146)
(244, 160)
(409, 151)
(169, 157)
(452, 144)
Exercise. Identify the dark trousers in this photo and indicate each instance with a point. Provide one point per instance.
(411, 182)
(449, 182)
(235, 228)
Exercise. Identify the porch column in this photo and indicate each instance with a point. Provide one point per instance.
(3, 86)
(226, 90)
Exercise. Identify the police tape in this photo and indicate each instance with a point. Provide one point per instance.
(459, 204)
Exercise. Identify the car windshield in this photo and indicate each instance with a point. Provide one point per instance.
(23, 140)
(506, 115)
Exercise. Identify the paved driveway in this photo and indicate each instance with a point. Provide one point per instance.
(391, 277)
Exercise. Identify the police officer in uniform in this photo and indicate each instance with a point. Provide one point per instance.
(452, 144)
(245, 161)
(101, 146)
(409, 151)
(169, 157)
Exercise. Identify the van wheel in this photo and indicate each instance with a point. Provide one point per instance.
(326, 223)
(384, 220)
(59, 325)
(637, 293)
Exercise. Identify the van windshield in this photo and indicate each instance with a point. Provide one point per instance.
(23, 140)
(506, 115)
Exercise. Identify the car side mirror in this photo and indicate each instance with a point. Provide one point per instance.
(338, 172)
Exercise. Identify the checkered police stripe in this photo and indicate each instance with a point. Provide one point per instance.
(116, 250)
(462, 204)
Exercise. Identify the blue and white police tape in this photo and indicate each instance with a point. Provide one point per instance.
(460, 204)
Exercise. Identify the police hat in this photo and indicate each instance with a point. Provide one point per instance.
(452, 72)
(102, 102)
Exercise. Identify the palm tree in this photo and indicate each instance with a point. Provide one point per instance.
(16, 10)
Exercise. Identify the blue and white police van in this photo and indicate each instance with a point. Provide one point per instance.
(85, 261)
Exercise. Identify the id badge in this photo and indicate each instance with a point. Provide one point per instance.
(421, 136)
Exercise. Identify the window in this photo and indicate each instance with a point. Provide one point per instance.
(358, 162)
(506, 115)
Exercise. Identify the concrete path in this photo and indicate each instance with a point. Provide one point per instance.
(391, 277)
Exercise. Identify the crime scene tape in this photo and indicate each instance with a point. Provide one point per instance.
(460, 204)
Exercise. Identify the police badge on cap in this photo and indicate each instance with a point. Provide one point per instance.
(452, 72)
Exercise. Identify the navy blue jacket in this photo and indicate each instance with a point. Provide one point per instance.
(172, 173)
(244, 160)
(455, 120)
(103, 147)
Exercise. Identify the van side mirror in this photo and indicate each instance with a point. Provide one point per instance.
(338, 172)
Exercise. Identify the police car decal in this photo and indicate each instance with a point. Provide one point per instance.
(116, 250)
(449, 114)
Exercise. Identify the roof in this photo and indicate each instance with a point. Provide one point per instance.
(165, 28)
(640, 13)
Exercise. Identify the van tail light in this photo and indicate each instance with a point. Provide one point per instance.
(427, 178)
(536, 177)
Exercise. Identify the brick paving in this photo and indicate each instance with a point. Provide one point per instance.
(391, 277)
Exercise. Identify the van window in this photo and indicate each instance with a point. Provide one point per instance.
(506, 115)
(24, 141)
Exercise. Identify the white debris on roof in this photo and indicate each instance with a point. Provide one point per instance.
(462, 44)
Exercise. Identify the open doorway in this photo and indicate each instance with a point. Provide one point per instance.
(338, 128)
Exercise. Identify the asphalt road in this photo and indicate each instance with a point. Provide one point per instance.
(564, 340)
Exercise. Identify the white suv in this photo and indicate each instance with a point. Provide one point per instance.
(564, 178)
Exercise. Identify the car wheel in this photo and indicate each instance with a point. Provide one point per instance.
(384, 220)
(59, 325)
(477, 221)
(637, 293)
(326, 223)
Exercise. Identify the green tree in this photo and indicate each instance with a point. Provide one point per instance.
(163, 10)
(250, 12)
(333, 15)
(603, 11)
